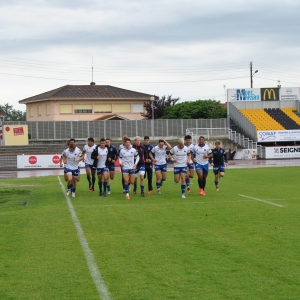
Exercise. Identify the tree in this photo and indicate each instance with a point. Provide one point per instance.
(13, 114)
(200, 109)
(160, 104)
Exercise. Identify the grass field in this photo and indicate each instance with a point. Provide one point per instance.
(242, 242)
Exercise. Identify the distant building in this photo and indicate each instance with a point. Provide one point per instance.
(86, 103)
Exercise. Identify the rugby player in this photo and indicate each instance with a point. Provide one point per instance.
(201, 163)
(140, 167)
(129, 159)
(112, 157)
(181, 156)
(190, 165)
(148, 163)
(72, 157)
(160, 162)
(100, 153)
(89, 168)
(217, 157)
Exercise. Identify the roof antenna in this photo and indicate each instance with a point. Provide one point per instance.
(93, 83)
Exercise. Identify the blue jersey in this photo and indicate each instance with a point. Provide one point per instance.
(219, 156)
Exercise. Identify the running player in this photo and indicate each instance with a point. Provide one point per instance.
(201, 163)
(128, 165)
(148, 163)
(190, 165)
(100, 154)
(113, 156)
(122, 146)
(217, 157)
(90, 169)
(61, 164)
(181, 156)
(140, 167)
(72, 157)
(160, 162)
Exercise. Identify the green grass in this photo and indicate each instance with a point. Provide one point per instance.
(221, 246)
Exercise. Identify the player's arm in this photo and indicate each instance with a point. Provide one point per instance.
(115, 155)
(189, 156)
(151, 155)
(169, 147)
(225, 158)
(137, 158)
(171, 156)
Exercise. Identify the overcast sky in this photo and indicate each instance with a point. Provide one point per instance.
(188, 49)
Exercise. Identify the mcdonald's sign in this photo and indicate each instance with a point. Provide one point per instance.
(269, 94)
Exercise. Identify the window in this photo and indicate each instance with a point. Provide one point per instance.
(48, 109)
(31, 111)
(137, 108)
(83, 108)
(39, 110)
(122, 108)
(66, 108)
(82, 111)
(102, 108)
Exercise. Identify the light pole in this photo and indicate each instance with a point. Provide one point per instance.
(152, 98)
(251, 75)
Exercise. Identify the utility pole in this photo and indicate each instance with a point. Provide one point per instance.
(251, 75)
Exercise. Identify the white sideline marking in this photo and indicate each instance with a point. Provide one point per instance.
(95, 273)
(257, 199)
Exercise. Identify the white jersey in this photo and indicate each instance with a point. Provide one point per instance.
(181, 156)
(103, 157)
(122, 146)
(127, 157)
(72, 158)
(160, 155)
(191, 147)
(199, 152)
(88, 152)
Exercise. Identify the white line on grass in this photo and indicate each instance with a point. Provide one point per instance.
(95, 273)
(261, 200)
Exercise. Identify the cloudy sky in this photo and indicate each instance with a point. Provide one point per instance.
(188, 49)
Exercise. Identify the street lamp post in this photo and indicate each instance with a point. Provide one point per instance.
(152, 98)
(251, 75)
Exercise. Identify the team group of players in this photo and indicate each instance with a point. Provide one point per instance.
(138, 160)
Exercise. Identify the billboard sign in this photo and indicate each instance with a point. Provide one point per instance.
(243, 95)
(291, 93)
(269, 94)
(40, 161)
(282, 152)
(278, 136)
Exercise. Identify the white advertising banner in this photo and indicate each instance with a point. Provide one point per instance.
(289, 93)
(243, 95)
(39, 161)
(283, 152)
(278, 135)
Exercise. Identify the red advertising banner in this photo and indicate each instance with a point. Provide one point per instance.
(19, 131)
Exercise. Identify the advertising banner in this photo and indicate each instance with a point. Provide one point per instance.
(243, 95)
(15, 135)
(282, 152)
(39, 161)
(291, 93)
(269, 94)
(278, 135)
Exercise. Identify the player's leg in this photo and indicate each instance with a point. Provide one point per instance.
(69, 182)
(142, 181)
(158, 178)
(93, 171)
(99, 173)
(183, 175)
(216, 172)
(149, 172)
(105, 178)
(126, 179)
(164, 174)
(88, 175)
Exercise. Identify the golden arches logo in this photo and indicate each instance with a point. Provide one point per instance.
(270, 92)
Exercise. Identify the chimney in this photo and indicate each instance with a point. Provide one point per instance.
(93, 83)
